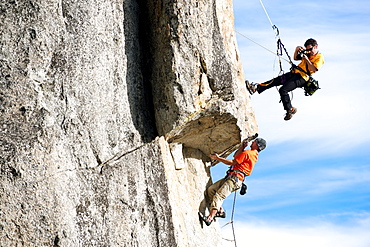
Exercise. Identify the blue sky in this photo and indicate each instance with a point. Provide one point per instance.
(311, 186)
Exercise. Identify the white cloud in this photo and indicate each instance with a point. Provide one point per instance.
(327, 118)
(310, 180)
(303, 185)
(304, 234)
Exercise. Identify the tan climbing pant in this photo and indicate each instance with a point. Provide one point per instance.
(218, 191)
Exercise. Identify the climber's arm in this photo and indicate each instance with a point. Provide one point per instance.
(223, 160)
(241, 148)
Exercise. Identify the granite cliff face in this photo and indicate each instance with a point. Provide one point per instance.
(109, 110)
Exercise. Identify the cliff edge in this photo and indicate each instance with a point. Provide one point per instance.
(109, 110)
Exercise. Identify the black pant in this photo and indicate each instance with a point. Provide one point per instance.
(290, 81)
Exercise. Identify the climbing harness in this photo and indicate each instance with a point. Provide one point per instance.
(312, 84)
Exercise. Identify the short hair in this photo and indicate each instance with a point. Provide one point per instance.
(310, 41)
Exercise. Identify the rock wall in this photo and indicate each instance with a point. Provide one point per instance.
(109, 110)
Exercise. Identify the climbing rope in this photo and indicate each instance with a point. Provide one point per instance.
(232, 221)
(280, 46)
(259, 44)
(275, 53)
(232, 218)
(268, 17)
(280, 50)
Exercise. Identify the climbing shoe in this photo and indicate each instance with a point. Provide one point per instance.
(290, 113)
(221, 214)
(204, 219)
(252, 87)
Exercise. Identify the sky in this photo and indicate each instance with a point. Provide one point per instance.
(311, 185)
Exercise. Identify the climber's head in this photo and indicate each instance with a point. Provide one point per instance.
(311, 42)
(261, 144)
(311, 47)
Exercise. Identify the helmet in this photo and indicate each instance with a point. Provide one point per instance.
(261, 143)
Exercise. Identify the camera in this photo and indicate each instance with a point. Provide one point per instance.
(303, 52)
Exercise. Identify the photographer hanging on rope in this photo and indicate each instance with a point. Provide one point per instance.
(240, 167)
(299, 76)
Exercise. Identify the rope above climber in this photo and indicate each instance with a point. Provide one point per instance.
(241, 166)
(299, 76)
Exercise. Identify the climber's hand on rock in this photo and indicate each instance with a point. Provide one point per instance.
(214, 156)
(245, 143)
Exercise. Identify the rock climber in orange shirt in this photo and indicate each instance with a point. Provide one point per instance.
(240, 167)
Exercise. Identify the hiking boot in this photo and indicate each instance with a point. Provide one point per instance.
(252, 87)
(221, 214)
(205, 219)
(290, 113)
